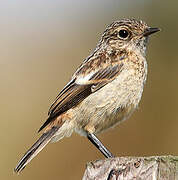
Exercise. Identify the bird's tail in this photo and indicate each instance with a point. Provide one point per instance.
(35, 149)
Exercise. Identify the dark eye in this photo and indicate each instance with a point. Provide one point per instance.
(123, 34)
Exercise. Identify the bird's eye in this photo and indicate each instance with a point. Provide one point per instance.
(123, 34)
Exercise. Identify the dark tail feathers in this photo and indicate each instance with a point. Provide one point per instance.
(35, 149)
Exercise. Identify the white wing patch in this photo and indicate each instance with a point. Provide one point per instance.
(84, 79)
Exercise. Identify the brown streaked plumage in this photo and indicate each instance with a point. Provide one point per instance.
(104, 90)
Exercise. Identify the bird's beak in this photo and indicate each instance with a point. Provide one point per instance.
(149, 31)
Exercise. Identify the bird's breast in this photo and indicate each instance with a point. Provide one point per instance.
(112, 103)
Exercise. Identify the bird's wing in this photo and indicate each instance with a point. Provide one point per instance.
(81, 86)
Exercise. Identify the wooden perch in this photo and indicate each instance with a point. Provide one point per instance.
(133, 168)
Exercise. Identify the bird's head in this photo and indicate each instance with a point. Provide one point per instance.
(128, 35)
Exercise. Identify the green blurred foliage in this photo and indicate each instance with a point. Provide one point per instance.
(42, 43)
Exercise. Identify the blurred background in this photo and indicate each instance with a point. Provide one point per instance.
(42, 42)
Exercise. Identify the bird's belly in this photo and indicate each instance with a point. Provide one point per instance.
(109, 105)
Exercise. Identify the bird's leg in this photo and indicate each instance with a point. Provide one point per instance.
(99, 145)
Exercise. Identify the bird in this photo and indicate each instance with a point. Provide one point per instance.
(104, 91)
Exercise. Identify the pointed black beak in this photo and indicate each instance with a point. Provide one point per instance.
(149, 31)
